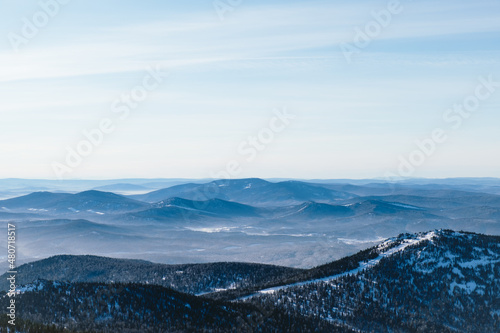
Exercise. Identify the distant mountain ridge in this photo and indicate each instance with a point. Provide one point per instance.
(216, 206)
(123, 188)
(252, 191)
(93, 200)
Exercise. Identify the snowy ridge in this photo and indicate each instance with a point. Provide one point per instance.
(441, 281)
(385, 249)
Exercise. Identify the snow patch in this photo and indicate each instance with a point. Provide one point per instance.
(405, 206)
(469, 287)
(458, 272)
(478, 262)
(350, 241)
(33, 209)
(91, 211)
(212, 229)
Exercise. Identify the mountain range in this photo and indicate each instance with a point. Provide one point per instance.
(284, 222)
(252, 255)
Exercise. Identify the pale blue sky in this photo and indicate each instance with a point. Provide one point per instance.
(353, 120)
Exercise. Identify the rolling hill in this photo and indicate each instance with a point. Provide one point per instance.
(256, 192)
(65, 202)
(187, 278)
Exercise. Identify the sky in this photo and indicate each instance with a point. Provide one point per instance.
(290, 89)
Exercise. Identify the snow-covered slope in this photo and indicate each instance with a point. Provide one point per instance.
(386, 249)
(442, 280)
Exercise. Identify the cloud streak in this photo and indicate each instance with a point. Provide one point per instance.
(227, 76)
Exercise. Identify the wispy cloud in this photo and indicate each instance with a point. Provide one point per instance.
(228, 75)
